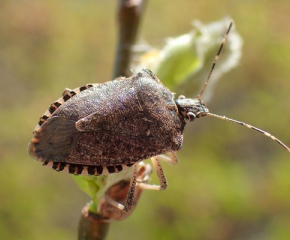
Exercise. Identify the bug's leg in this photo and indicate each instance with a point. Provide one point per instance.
(114, 203)
(160, 175)
(134, 181)
(131, 193)
(172, 159)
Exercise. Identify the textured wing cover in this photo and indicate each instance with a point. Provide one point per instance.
(118, 122)
(55, 139)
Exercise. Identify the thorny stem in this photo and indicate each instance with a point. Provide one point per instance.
(129, 15)
(93, 226)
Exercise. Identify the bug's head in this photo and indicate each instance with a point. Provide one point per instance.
(190, 108)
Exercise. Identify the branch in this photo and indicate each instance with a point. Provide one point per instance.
(129, 16)
(92, 226)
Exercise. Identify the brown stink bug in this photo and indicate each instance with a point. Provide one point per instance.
(104, 128)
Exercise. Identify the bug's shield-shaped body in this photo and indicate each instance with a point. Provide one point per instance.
(109, 126)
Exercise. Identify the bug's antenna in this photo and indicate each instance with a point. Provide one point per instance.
(215, 60)
(250, 127)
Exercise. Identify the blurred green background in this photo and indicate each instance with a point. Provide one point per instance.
(231, 183)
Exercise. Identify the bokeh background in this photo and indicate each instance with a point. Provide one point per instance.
(231, 183)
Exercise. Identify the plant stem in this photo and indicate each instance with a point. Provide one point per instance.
(129, 16)
(92, 226)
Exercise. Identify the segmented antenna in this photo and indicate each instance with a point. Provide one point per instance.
(229, 119)
(250, 127)
(215, 60)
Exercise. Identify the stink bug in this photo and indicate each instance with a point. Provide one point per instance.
(100, 129)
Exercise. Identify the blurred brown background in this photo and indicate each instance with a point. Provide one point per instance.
(231, 183)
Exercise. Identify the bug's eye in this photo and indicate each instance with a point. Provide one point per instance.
(190, 116)
(181, 97)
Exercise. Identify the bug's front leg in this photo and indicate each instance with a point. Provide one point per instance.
(172, 159)
(160, 174)
(129, 203)
(142, 182)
